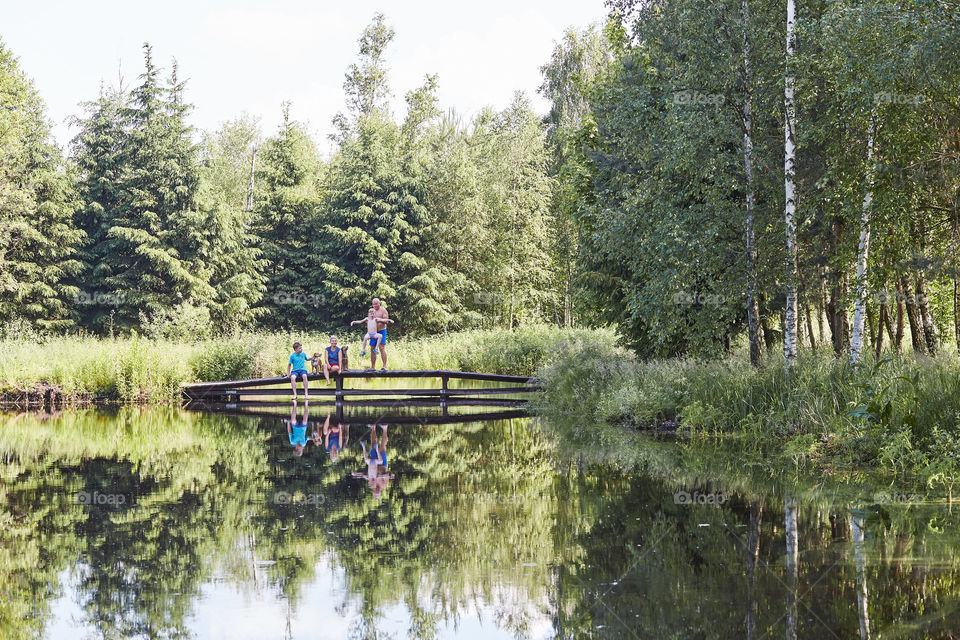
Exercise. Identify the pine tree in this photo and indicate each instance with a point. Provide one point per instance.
(287, 202)
(98, 153)
(150, 253)
(38, 235)
(365, 223)
(238, 268)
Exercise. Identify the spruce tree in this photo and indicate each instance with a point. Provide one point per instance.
(150, 253)
(237, 274)
(286, 207)
(38, 236)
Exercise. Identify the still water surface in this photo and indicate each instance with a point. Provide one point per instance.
(163, 523)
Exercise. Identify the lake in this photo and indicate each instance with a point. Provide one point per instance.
(166, 523)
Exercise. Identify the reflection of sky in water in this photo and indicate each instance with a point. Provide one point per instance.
(222, 612)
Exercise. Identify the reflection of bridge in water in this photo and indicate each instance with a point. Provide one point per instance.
(395, 414)
(258, 396)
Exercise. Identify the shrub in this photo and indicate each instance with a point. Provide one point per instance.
(228, 360)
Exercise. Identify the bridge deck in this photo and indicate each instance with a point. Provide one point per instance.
(232, 389)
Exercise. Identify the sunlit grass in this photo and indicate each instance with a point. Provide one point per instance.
(139, 369)
(900, 414)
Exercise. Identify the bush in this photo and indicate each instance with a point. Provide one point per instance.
(899, 414)
(228, 360)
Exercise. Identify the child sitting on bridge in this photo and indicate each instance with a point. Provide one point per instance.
(372, 336)
(334, 358)
(297, 368)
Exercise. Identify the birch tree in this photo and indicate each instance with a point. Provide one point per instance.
(863, 249)
(753, 311)
(789, 187)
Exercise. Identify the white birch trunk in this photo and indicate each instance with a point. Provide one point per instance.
(863, 250)
(793, 568)
(863, 610)
(753, 311)
(789, 171)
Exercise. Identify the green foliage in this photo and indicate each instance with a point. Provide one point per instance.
(238, 267)
(286, 214)
(227, 360)
(139, 181)
(38, 235)
(895, 414)
(151, 369)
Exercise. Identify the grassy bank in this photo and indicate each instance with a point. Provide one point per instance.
(83, 368)
(899, 415)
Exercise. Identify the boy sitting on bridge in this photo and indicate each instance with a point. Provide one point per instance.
(297, 368)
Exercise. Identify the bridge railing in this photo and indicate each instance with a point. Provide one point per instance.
(233, 390)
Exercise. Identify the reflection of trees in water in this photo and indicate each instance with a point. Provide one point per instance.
(137, 564)
(477, 515)
(466, 521)
(649, 567)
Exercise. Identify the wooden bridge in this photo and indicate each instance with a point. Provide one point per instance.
(260, 391)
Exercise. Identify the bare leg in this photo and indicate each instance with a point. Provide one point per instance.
(373, 356)
(306, 392)
(326, 372)
(293, 385)
(383, 356)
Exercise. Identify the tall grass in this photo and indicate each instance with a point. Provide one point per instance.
(139, 369)
(900, 414)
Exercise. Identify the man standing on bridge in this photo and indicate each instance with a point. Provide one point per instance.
(382, 317)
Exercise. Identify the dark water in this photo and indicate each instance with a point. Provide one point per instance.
(175, 524)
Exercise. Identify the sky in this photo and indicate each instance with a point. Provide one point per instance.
(242, 56)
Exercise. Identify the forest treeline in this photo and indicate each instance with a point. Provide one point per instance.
(709, 172)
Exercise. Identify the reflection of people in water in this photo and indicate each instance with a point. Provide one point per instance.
(377, 475)
(297, 430)
(335, 437)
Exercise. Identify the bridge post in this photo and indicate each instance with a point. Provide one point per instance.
(443, 382)
(339, 393)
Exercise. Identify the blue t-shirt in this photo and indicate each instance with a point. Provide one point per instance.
(299, 361)
(333, 355)
(298, 434)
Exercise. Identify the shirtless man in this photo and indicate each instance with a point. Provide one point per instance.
(383, 318)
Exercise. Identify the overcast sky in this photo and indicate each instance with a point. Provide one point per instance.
(248, 56)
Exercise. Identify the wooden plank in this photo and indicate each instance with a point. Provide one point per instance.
(396, 404)
(398, 373)
(482, 416)
(326, 391)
